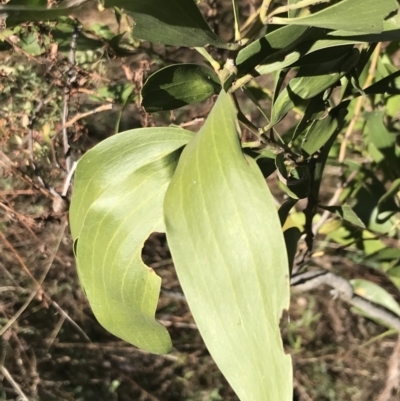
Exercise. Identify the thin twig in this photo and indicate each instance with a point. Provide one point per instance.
(14, 384)
(67, 91)
(38, 283)
(114, 346)
(79, 116)
(335, 198)
(393, 375)
(54, 333)
(67, 317)
(68, 179)
(18, 257)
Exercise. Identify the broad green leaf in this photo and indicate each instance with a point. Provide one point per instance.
(375, 293)
(178, 85)
(229, 252)
(356, 16)
(346, 213)
(117, 203)
(171, 22)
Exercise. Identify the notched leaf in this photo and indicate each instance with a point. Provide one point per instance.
(116, 204)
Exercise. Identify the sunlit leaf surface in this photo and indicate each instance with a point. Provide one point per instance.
(229, 252)
(117, 203)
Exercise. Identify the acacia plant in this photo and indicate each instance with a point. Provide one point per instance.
(232, 248)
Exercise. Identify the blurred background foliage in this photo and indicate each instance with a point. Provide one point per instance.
(51, 347)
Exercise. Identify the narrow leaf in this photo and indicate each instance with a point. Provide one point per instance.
(284, 210)
(229, 252)
(375, 293)
(346, 213)
(389, 85)
(309, 82)
(116, 204)
(292, 236)
(356, 16)
(272, 46)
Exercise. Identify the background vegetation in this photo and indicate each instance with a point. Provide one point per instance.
(51, 347)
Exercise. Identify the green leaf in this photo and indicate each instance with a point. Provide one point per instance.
(292, 236)
(346, 213)
(375, 293)
(18, 11)
(387, 205)
(229, 252)
(320, 131)
(29, 42)
(116, 204)
(178, 85)
(296, 179)
(285, 208)
(381, 142)
(391, 31)
(272, 46)
(356, 16)
(309, 82)
(389, 85)
(171, 22)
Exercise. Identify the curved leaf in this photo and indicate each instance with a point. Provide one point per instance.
(356, 16)
(229, 252)
(178, 85)
(375, 293)
(292, 236)
(346, 213)
(309, 82)
(276, 45)
(171, 22)
(116, 204)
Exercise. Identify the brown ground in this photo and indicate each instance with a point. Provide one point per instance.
(52, 348)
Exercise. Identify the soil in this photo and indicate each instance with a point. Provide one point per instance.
(52, 348)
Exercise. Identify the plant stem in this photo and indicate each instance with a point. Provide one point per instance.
(238, 35)
(290, 7)
(214, 63)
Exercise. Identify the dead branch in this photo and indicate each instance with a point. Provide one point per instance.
(342, 288)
